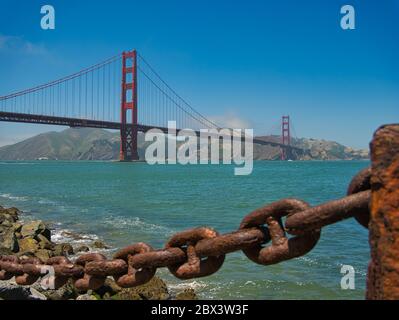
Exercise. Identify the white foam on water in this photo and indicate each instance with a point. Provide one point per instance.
(136, 222)
(195, 285)
(46, 201)
(60, 235)
(14, 198)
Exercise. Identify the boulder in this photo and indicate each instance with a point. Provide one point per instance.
(8, 215)
(10, 291)
(62, 249)
(74, 235)
(6, 224)
(34, 228)
(24, 255)
(28, 245)
(155, 289)
(66, 292)
(187, 294)
(8, 240)
(44, 243)
(109, 288)
(82, 248)
(5, 252)
(17, 227)
(86, 297)
(100, 245)
(14, 212)
(43, 254)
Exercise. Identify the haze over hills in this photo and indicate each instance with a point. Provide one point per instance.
(98, 144)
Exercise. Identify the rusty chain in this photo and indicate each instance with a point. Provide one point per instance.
(201, 251)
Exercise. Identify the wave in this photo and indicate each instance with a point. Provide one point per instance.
(47, 201)
(136, 222)
(60, 235)
(316, 262)
(14, 198)
(195, 285)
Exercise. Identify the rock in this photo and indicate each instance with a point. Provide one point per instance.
(14, 212)
(6, 224)
(8, 215)
(82, 248)
(62, 249)
(66, 292)
(5, 252)
(3, 228)
(109, 288)
(100, 245)
(43, 254)
(36, 295)
(44, 243)
(155, 289)
(86, 297)
(74, 235)
(17, 227)
(8, 240)
(187, 294)
(10, 291)
(28, 245)
(107, 296)
(27, 254)
(34, 228)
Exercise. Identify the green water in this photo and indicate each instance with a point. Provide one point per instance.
(123, 203)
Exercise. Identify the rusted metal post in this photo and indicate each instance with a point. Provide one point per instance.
(383, 273)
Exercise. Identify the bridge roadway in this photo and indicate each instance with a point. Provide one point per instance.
(76, 123)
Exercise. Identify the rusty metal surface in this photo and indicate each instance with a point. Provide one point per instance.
(276, 232)
(383, 278)
(281, 248)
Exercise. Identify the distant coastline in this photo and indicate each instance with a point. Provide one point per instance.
(98, 144)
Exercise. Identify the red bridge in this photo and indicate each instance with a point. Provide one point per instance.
(123, 93)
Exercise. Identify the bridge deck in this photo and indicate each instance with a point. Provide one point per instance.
(75, 122)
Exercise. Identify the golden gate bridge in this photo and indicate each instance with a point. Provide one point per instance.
(124, 93)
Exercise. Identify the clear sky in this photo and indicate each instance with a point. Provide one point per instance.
(248, 62)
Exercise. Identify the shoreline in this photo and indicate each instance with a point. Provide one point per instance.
(35, 238)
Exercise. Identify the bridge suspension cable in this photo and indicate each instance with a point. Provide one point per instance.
(146, 69)
(94, 93)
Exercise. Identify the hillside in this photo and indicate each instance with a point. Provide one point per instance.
(317, 150)
(97, 144)
(70, 144)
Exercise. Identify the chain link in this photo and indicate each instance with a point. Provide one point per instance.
(201, 251)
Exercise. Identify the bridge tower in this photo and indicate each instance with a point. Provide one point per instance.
(128, 150)
(285, 136)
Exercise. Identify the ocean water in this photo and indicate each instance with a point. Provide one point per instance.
(123, 203)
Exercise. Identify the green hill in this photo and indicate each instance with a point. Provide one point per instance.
(70, 144)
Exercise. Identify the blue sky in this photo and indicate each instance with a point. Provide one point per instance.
(248, 62)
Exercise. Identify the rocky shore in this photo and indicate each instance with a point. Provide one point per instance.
(33, 239)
